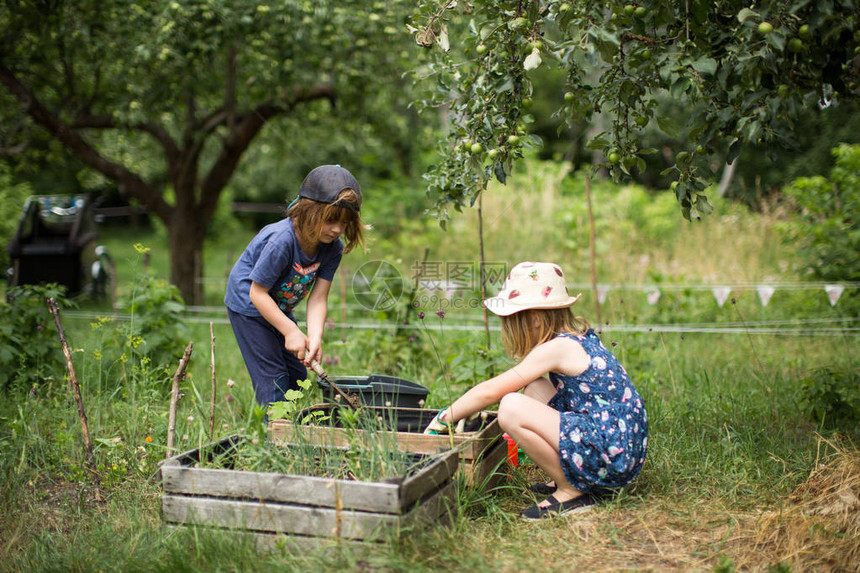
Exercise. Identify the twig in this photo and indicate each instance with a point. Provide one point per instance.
(591, 247)
(73, 384)
(174, 398)
(212, 362)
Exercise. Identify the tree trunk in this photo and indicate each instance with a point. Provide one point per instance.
(186, 234)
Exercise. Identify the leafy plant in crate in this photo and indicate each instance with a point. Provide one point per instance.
(294, 405)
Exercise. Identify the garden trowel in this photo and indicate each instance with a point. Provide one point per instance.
(349, 398)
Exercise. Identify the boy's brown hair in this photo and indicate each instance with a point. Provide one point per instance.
(522, 331)
(309, 215)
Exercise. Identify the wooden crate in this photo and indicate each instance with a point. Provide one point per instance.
(482, 453)
(304, 507)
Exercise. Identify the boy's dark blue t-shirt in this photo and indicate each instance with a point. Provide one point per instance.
(274, 260)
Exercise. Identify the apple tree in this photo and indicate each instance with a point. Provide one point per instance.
(164, 99)
(745, 72)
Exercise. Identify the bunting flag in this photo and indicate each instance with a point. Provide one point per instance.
(721, 294)
(833, 293)
(653, 296)
(764, 293)
(602, 291)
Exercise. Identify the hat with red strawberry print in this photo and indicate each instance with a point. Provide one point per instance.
(531, 286)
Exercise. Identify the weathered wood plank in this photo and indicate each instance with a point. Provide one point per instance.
(429, 479)
(440, 509)
(310, 490)
(290, 519)
(490, 468)
(471, 444)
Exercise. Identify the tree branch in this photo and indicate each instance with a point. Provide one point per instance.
(132, 183)
(248, 126)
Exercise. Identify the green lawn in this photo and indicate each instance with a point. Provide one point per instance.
(736, 462)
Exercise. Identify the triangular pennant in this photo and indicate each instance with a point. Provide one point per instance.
(721, 294)
(833, 293)
(764, 293)
(602, 291)
(653, 296)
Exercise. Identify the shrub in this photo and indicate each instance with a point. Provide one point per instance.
(14, 197)
(831, 397)
(825, 231)
(157, 329)
(29, 348)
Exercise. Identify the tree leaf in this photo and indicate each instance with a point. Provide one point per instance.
(442, 38)
(598, 143)
(668, 126)
(734, 151)
(705, 66)
(747, 14)
(533, 60)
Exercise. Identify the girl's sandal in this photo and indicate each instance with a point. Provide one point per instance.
(543, 488)
(578, 504)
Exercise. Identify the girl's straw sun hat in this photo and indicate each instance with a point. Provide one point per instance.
(531, 286)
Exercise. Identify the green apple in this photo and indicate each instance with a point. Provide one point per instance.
(513, 139)
(614, 157)
(765, 28)
(803, 31)
(519, 23)
(795, 45)
(476, 148)
(640, 12)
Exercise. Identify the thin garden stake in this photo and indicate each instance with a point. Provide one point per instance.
(591, 248)
(73, 383)
(483, 269)
(212, 363)
(174, 398)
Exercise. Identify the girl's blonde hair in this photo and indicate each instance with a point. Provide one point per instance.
(524, 330)
(309, 215)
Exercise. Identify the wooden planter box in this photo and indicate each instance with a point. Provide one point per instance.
(482, 452)
(305, 508)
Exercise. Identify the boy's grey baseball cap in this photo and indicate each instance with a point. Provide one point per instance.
(324, 184)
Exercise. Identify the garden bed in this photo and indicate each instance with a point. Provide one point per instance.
(481, 448)
(304, 507)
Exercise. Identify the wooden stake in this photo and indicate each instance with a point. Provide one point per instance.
(483, 271)
(174, 399)
(212, 363)
(591, 248)
(73, 383)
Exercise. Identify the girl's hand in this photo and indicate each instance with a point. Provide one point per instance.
(297, 343)
(437, 426)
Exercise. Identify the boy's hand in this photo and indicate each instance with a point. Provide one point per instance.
(314, 352)
(297, 343)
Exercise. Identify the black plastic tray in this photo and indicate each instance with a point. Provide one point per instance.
(378, 390)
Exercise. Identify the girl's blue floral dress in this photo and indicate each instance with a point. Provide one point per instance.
(604, 428)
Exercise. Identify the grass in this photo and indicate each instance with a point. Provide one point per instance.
(737, 476)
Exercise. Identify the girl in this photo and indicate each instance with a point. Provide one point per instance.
(282, 264)
(585, 426)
